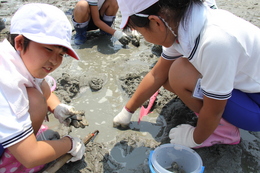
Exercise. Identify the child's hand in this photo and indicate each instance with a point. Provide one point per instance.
(122, 37)
(69, 116)
(122, 119)
(135, 38)
(78, 149)
(183, 135)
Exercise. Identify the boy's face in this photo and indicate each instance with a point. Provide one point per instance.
(40, 59)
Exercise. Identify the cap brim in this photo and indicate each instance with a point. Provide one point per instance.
(53, 41)
(73, 54)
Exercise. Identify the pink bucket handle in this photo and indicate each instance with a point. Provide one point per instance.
(53, 86)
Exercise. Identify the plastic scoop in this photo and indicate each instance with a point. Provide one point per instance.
(144, 111)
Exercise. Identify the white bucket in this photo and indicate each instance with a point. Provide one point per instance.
(163, 156)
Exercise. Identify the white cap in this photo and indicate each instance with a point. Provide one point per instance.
(128, 8)
(45, 24)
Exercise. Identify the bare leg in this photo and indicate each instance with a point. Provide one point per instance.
(109, 8)
(182, 80)
(37, 108)
(81, 12)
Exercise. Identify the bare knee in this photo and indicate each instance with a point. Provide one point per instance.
(37, 107)
(110, 8)
(81, 11)
(182, 75)
(113, 3)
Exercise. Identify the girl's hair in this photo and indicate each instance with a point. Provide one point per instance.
(11, 37)
(173, 11)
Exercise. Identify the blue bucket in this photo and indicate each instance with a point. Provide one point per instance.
(163, 156)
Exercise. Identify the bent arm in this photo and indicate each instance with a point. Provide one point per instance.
(150, 84)
(52, 100)
(31, 153)
(209, 118)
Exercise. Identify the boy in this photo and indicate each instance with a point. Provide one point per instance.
(39, 37)
(94, 14)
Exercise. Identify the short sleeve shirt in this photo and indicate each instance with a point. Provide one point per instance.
(227, 54)
(15, 124)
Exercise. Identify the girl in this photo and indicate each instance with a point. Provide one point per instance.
(210, 59)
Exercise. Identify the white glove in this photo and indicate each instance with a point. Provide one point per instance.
(122, 37)
(68, 115)
(122, 119)
(78, 149)
(183, 135)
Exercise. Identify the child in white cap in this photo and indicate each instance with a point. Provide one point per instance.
(39, 38)
(210, 59)
(96, 14)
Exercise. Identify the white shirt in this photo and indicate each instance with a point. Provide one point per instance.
(226, 53)
(98, 3)
(15, 124)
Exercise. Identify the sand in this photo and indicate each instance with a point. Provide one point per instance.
(102, 82)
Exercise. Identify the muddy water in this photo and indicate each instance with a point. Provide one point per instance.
(111, 64)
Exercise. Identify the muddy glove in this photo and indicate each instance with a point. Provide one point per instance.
(183, 135)
(122, 119)
(135, 38)
(69, 116)
(122, 37)
(78, 149)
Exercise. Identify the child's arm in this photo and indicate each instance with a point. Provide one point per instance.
(53, 101)
(62, 111)
(119, 35)
(98, 22)
(209, 118)
(33, 153)
(51, 98)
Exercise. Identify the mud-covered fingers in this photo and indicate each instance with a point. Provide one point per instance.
(135, 38)
(77, 121)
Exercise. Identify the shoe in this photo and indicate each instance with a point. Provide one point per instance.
(225, 133)
(80, 36)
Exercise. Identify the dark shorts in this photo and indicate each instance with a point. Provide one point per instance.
(91, 25)
(1, 150)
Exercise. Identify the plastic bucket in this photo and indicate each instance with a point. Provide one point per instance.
(165, 155)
